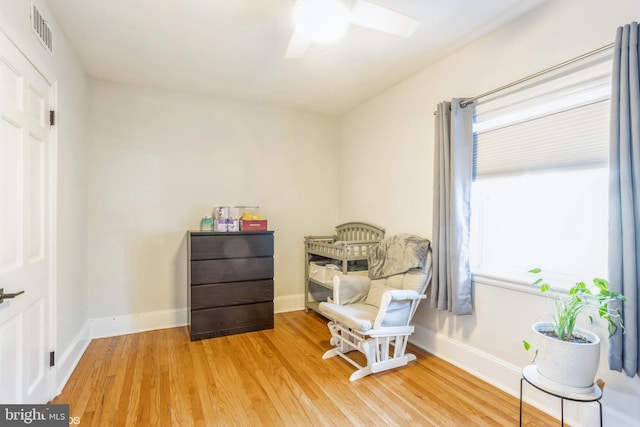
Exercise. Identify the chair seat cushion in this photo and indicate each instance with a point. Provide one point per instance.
(355, 316)
(361, 317)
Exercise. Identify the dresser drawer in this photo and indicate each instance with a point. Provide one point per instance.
(221, 321)
(231, 246)
(231, 270)
(234, 293)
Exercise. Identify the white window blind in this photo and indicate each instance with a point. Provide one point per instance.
(555, 122)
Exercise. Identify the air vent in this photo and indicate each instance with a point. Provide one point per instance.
(41, 28)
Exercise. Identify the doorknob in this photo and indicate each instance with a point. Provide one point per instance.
(4, 296)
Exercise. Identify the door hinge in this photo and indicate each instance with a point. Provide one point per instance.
(52, 358)
(52, 117)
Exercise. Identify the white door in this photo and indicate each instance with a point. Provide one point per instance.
(25, 184)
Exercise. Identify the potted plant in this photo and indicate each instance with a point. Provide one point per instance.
(566, 354)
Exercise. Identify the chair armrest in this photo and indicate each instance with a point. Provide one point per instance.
(350, 289)
(400, 294)
(397, 295)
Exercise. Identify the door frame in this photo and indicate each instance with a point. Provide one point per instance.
(52, 206)
(53, 236)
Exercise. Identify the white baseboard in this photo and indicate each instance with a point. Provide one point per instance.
(490, 369)
(288, 303)
(139, 322)
(68, 360)
(506, 377)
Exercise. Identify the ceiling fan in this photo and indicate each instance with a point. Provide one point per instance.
(327, 21)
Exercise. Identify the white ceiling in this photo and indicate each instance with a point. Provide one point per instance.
(236, 48)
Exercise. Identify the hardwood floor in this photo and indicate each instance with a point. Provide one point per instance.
(272, 377)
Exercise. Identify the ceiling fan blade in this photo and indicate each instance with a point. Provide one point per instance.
(380, 18)
(297, 46)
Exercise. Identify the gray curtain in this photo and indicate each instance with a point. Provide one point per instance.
(624, 196)
(453, 172)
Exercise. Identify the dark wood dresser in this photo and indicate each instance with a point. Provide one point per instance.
(230, 281)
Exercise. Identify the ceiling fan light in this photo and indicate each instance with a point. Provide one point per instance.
(321, 21)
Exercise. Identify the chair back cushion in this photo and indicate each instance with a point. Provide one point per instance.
(378, 286)
(414, 279)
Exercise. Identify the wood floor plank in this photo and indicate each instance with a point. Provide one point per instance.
(274, 377)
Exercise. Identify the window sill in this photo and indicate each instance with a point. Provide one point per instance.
(505, 283)
(560, 284)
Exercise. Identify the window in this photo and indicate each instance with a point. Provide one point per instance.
(539, 198)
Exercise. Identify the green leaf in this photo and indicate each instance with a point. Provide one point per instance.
(602, 284)
(527, 346)
(535, 270)
(545, 287)
(603, 310)
(538, 281)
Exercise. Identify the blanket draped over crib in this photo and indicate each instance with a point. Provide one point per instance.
(398, 254)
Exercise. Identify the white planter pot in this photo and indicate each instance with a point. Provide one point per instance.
(569, 364)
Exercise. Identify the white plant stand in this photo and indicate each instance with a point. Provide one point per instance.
(531, 375)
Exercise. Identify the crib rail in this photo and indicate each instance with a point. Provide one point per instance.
(352, 241)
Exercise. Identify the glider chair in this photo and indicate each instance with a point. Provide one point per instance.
(373, 314)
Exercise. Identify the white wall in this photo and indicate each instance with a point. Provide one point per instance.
(392, 185)
(159, 161)
(71, 224)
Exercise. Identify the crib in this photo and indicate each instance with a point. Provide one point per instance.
(348, 249)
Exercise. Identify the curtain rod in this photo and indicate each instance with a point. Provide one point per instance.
(468, 101)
